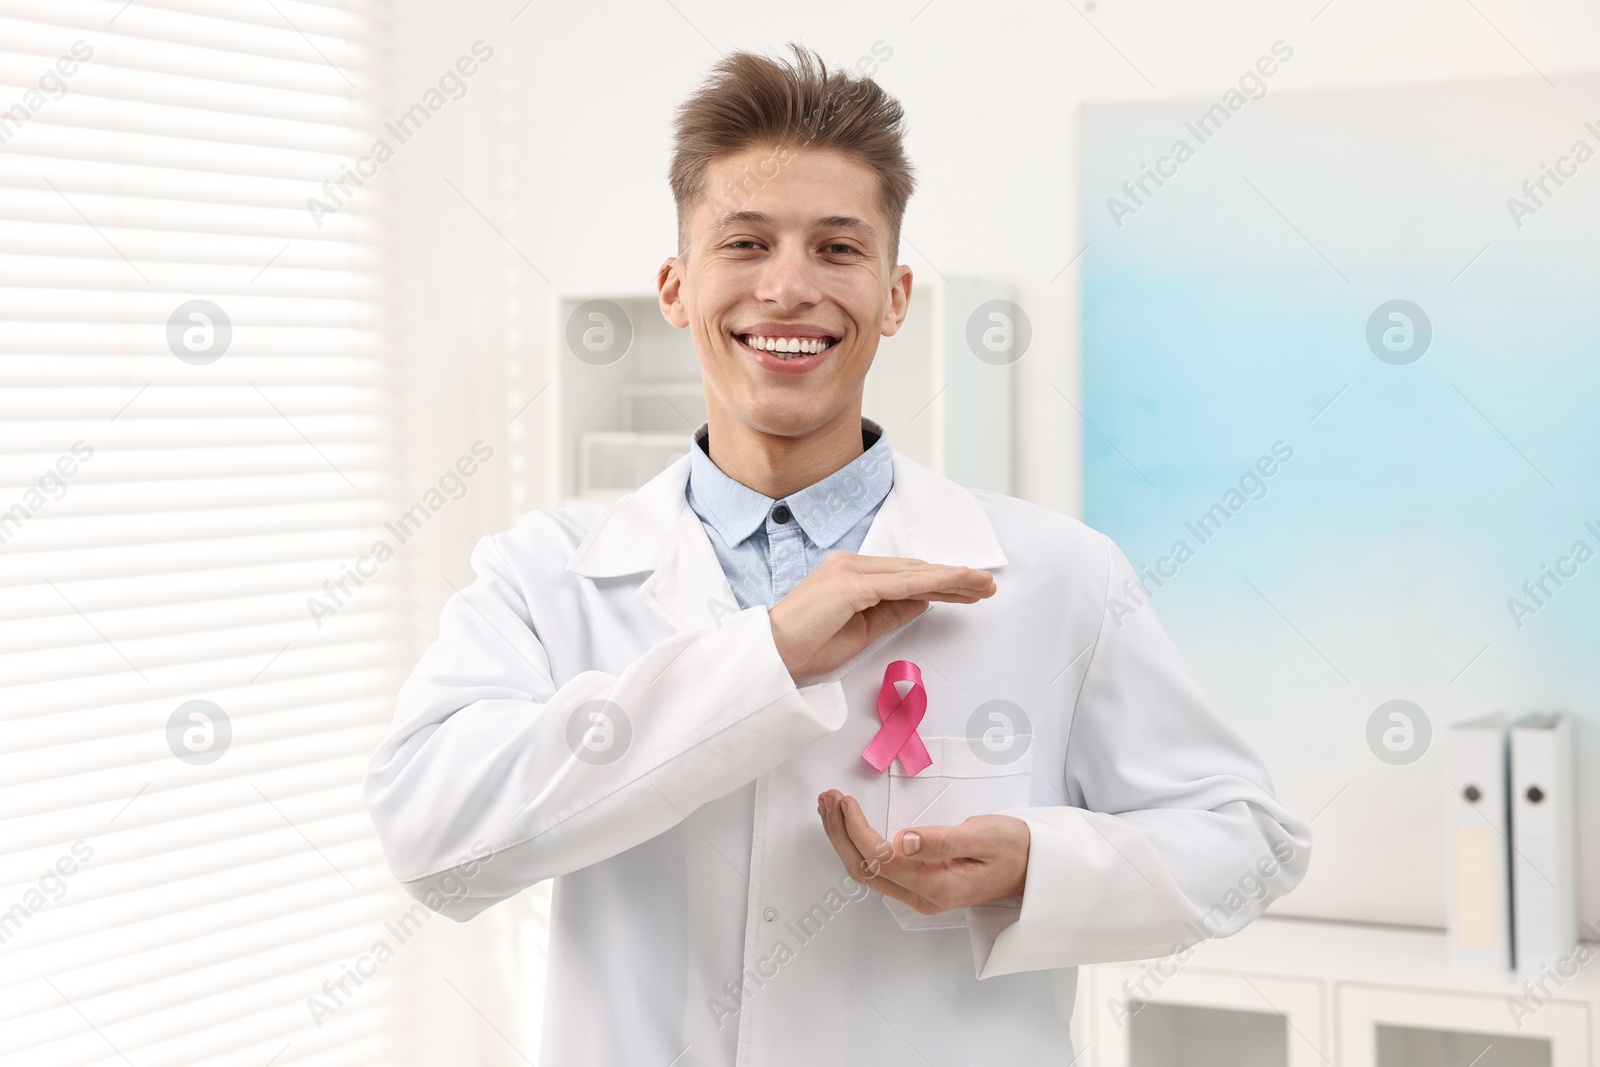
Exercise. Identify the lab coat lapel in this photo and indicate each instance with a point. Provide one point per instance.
(654, 529)
(688, 588)
(927, 516)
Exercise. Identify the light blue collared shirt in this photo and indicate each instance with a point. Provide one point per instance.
(766, 546)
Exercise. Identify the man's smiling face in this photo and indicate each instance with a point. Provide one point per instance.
(786, 292)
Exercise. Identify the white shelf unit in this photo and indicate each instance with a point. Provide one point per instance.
(1344, 989)
(619, 420)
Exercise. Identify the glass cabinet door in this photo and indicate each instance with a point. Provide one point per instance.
(1157, 1014)
(1183, 1035)
(1382, 1026)
(1410, 1046)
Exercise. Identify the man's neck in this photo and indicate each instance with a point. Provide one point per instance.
(778, 466)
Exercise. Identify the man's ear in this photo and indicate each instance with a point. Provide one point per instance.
(894, 312)
(669, 291)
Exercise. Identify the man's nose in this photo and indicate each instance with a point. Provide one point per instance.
(789, 278)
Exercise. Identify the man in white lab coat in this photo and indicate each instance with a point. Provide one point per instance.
(832, 760)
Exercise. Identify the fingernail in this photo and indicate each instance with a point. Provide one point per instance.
(911, 842)
(827, 805)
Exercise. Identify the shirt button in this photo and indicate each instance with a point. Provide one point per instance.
(771, 915)
(780, 514)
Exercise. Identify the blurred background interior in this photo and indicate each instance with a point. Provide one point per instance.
(302, 297)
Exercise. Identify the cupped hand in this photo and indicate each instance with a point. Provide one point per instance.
(930, 868)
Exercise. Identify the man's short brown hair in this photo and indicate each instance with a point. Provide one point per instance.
(750, 100)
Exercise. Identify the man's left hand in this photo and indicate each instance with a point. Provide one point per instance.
(930, 868)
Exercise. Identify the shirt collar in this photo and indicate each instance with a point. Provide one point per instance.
(826, 510)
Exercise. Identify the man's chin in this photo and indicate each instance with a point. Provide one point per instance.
(788, 416)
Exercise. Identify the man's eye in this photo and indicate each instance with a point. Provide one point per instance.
(839, 249)
(742, 245)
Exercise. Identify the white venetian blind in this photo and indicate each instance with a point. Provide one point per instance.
(164, 522)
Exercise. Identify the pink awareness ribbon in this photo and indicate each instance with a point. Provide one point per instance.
(900, 717)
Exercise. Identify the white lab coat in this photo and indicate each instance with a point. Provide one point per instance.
(694, 861)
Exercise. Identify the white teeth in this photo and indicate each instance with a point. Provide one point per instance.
(786, 345)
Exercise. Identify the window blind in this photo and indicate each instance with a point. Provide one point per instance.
(197, 406)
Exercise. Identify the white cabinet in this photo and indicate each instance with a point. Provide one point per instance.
(627, 395)
(627, 388)
(1296, 992)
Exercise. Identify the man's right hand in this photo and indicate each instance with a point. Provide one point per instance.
(851, 600)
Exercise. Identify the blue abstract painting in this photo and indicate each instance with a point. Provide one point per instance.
(1341, 358)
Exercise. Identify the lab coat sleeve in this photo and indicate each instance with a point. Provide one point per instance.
(492, 778)
(1169, 831)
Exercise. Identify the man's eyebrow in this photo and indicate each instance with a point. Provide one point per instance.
(846, 222)
(761, 218)
(739, 218)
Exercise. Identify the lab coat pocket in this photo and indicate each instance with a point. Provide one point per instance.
(964, 780)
